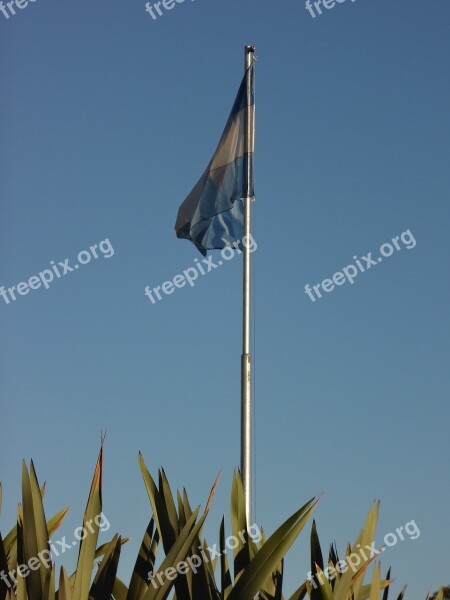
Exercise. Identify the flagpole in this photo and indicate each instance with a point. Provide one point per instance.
(246, 382)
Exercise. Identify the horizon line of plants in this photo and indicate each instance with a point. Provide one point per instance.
(176, 529)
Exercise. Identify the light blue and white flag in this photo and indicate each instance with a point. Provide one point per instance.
(212, 216)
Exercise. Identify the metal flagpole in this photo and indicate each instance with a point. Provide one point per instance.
(246, 387)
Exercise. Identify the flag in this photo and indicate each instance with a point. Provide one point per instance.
(212, 215)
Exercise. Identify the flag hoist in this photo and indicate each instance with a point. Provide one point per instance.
(217, 214)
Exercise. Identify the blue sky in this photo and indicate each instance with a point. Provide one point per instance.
(108, 118)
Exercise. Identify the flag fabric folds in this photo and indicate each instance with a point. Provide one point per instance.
(212, 215)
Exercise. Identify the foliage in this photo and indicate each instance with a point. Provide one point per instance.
(255, 569)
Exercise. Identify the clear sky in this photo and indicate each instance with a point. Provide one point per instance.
(108, 117)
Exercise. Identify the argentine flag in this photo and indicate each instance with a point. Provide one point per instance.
(212, 216)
